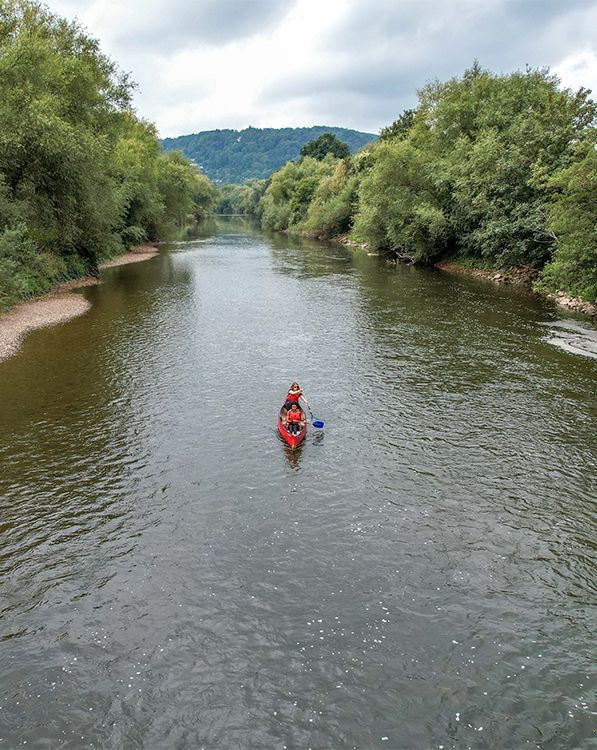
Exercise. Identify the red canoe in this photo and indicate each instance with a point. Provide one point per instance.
(292, 440)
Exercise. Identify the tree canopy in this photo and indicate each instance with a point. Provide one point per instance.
(81, 176)
(494, 170)
(327, 143)
(235, 156)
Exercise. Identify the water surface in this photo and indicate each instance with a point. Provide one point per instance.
(420, 574)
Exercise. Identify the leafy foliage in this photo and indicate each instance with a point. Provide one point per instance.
(241, 199)
(400, 127)
(333, 204)
(496, 170)
(234, 156)
(495, 137)
(81, 177)
(474, 171)
(286, 201)
(573, 219)
(325, 144)
(400, 204)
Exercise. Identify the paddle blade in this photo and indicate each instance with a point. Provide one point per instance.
(318, 423)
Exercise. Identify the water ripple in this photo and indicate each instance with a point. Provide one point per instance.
(418, 574)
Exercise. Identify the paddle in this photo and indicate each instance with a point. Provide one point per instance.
(315, 422)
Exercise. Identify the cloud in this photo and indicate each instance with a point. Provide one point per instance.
(578, 69)
(170, 25)
(204, 64)
(381, 52)
(174, 24)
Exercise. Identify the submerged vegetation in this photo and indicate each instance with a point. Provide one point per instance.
(81, 176)
(493, 170)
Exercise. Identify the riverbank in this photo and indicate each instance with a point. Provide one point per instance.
(58, 306)
(135, 254)
(524, 277)
(521, 276)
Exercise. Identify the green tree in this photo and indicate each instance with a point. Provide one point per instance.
(400, 205)
(469, 172)
(573, 220)
(400, 128)
(81, 177)
(495, 169)
(496, 138)
(333, 204)
(327, 143)
(241, 199)
(286, 201)
(235, 156)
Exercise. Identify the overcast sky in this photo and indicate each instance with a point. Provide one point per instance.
(205, 64)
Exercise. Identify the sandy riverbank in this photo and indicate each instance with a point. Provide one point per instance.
(60, 305)
(140, 252)
(516, 276)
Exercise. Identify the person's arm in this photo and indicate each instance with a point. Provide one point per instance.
(305, 400)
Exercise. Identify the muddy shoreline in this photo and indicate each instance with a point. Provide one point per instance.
(58, 306)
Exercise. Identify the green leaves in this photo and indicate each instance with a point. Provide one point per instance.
(325, 144)
(400, 204)
(573, 220)
(288, 197)
(499, 170)
(236, 156)
(81, 176)
(475, 171)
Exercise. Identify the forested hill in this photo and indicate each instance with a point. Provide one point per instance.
(237, 155)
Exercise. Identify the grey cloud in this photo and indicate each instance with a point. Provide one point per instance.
(385, 51)
(182, 23)
(409, 20)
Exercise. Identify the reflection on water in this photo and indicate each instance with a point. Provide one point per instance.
(418, 574)
(292, 454)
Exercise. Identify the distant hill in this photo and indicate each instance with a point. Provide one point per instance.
(237, 155)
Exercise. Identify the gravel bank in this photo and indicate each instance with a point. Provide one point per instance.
(57, 307)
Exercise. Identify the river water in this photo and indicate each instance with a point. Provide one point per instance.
(419, 574)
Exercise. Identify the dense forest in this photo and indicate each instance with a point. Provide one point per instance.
(234, 156)
(494, 171)
(81, 176)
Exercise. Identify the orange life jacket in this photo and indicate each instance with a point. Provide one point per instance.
(294, 416)
(293, 396)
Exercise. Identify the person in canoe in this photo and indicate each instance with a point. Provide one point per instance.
(294, 394)
(294, 419)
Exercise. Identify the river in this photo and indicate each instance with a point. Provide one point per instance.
(419, 574)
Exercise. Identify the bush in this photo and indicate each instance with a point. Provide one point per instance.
(573, 220)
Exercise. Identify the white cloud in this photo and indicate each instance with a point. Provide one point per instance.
(579, 70)
(204, 64)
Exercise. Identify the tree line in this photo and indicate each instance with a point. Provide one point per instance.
(491, 170)
(82, 177)
(233, 156)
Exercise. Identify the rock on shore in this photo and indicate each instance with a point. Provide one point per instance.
(573, 303)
